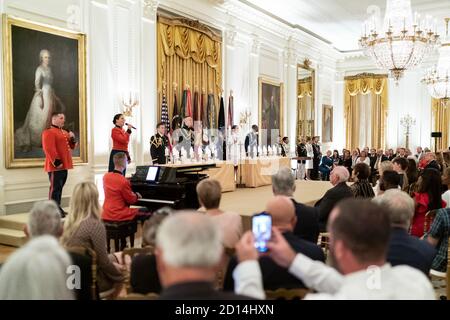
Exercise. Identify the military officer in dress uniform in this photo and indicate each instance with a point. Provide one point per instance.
(58, 145)
(184, 137)
(158, 144)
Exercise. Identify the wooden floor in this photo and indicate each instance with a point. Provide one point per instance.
(246, 202)
(5, 252)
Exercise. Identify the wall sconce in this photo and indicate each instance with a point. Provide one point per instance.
(129, 101)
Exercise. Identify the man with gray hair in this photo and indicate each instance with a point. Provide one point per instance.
(338, 178)
(188, 254)
(307, 226)
(45, 220)
(404, 249)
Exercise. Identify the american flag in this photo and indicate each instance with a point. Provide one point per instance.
(165, 113)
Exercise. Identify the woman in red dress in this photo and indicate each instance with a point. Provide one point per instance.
(428, 197)
(120, 139)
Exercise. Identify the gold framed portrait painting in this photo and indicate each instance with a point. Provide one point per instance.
(44, 72)
(270, 111)
(327, 123)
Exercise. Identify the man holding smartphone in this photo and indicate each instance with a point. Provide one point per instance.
(282, 211)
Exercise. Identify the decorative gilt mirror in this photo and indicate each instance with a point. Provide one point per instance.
(305, 100)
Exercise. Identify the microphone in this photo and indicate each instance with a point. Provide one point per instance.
(131, 126)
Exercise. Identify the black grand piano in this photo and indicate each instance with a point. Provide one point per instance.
(169, 185)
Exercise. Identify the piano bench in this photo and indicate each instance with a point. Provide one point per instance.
(119, 231)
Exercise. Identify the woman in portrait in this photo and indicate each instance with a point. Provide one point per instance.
(43, 104)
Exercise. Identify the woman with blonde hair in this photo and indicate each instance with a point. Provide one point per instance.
(384, 166)
(83, 227)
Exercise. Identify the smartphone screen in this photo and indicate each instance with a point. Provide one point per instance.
(262, 230)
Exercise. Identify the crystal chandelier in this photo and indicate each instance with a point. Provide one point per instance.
(402, 42)
(437, 78)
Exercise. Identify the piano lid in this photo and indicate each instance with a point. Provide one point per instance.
(190, 167)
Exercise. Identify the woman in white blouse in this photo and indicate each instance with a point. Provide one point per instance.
(363, 158)
(355, 156)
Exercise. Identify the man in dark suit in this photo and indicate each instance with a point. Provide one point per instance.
(405, 249)
(307, 226)
(316, 158)
(188, 254)
(338, 178)
(274, 277)
(251, 142)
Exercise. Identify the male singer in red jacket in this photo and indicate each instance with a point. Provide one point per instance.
(118, 193)
(58, 145)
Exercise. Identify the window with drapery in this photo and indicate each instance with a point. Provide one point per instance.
(441, 122)
(365, 110)
(189, 57)
(305, 107)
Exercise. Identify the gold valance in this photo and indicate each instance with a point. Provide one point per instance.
(189, 56)
(364, 84)
(190, 44)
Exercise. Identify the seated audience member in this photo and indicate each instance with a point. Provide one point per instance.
(144, 275)
(389, 180)
(118, 193)
(438, 237)
(282, 211)
(209, 193)
(429, 161)
(188, 254)
(412, 174)
(326, 165)
(384, 166)
(372, 158)
(347, 161)
(391, 154)
(419, 153)
(307, 226)
(400, 165)
(338, 178)
(45, 219)
(375, 163)
(362, 188)
(363, 158)
(428, 197)
(337, 159)
(446, 182)
(403, 248)
(84, 228)
(402, 153)
(36, 271)
(359, 233)
(355, 156)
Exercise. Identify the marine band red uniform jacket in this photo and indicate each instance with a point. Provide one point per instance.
(57, 145)
(118, 198)
(120, 138)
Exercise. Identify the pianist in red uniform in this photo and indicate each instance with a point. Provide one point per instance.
(58, 144)
(120, 139)
(118, 194)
